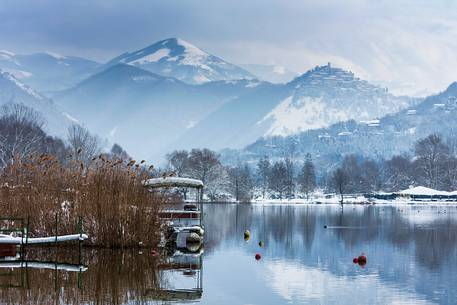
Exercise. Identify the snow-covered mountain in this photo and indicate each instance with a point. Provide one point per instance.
(392, 134)
(177, 58)
(47, 71)
(326, 95)
(276, 74)
(316, 99)
(13, 90)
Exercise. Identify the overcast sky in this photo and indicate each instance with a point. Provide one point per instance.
(408, 45)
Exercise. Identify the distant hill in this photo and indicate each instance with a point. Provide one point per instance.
(47, 71)
(143, 111)
(392, 134)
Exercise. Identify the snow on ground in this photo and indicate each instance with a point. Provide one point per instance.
(422, 190)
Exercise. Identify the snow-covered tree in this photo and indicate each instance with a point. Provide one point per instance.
(431, 155)
(241, 182)
(307, 177)
(263, 172)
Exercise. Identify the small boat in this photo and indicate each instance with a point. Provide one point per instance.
(183, 226)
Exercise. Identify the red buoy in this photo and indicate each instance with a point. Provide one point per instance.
(258, 256)
(355, 260)
(154, 253)
(362, 258)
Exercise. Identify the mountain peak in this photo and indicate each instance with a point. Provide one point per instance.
(180, 59)
(335, 81)
(326, 72)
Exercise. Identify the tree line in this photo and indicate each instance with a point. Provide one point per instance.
(432, 163)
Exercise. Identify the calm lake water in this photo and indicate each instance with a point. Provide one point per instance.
(411, 259)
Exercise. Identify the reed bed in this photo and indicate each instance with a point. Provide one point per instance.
(117, 210)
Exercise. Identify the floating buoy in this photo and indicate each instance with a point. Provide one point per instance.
(355, 260)
(247, 235)
(258, 256)
(154, 253)
(325, 227)
(260, 243)
(362, 259)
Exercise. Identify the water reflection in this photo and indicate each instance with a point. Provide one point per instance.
(411, 253)
(306, 258)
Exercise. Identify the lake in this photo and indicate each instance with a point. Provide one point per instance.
(306, 258)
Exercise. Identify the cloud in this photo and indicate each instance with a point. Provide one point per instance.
(408, 45)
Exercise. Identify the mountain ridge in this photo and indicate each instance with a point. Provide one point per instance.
(180, 59)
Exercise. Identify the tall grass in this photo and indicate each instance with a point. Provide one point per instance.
(118, 211)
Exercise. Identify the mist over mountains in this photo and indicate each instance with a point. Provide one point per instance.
(173, 95)
(13, 91)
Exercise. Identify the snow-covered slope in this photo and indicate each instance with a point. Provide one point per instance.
(47, 71)
(177, 58)
(326, 95)
(13, 90)
(392, 134)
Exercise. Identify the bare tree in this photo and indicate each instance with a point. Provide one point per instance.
(397, 173)
(340, 181)
(371, 176)
(21, 133)
(82, 144)
(241, 183)
(178, 162)
(204, 164)
(431, 155)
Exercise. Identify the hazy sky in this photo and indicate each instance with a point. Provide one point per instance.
(409, 46)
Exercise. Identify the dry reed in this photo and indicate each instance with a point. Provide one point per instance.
(117, 210)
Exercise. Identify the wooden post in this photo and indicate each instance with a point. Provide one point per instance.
(56, 228)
